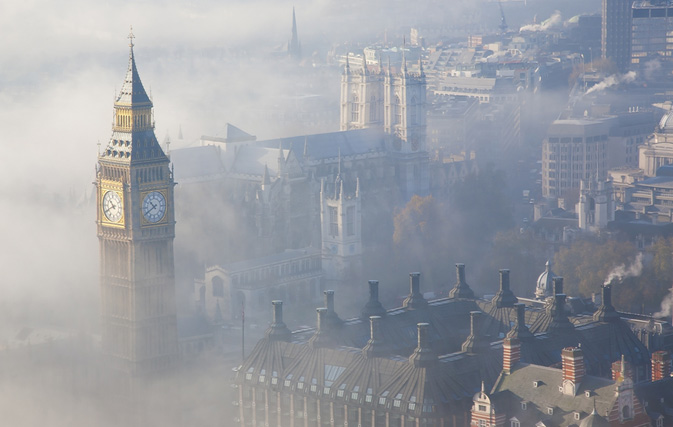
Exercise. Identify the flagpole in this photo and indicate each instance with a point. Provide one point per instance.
(242, 331)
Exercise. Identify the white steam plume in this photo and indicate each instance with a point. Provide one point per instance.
(666, 306)
(613, 80)
(553, 21)
(621, 272)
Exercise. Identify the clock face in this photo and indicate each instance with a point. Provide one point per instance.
(112, 206)
(154, 206)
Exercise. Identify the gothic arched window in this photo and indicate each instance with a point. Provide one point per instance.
(398, 110)
(372, 109)
(355, 109)
(218, 287)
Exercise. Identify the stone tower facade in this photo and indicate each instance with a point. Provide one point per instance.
(394, 102)
(136, 228)
(595, 207)
(340, 214)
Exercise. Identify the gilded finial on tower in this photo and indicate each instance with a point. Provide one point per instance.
(131, 37)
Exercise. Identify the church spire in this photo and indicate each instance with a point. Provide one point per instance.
(294, 47)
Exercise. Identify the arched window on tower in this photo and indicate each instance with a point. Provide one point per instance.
(398, 110)
(218, 287)
(372, 109)
(355, 109)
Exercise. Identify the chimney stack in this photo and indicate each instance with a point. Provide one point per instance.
(475, 342)
(661, 365)
(415, 299)
(621, 370)
(560, 322)
(331, 319)
(375, 345)
(278, 330)
(606, 312)
(373, 306)
(321, 336)
(511, 354)
(520, 330)
(504, 297)
(461, 289)
(558, 285)
(423, 356)
(573, 369)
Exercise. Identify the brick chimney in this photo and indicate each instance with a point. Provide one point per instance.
(621, 369)
(511, 354)
(661, 365)
(573, 369)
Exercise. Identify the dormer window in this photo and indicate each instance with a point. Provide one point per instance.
(587, 393)
(524, 406)
(514, 423)
(577, 416)
(550, 410)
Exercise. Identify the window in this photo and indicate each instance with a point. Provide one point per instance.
(524, 405)
(350, 214)
(355, 109)
(514, 423)
(398, 110)
(333, 221)
(218, 287)
(550, 411)
(372, 109)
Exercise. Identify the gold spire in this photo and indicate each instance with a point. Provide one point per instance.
(131, 37)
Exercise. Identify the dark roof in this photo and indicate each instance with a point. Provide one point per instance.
(331, 145)
(132, 91)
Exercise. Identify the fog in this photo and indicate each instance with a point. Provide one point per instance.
(206, 63)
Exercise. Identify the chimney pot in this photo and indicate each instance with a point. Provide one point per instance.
(329, 300)
(373, 290)
(504, 280)
(277, 311)
(558, 285)
(460, 273)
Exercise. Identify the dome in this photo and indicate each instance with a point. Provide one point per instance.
(545, 287)
(666, 123)
(594, 420)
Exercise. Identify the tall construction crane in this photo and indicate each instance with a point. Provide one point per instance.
(503, 22)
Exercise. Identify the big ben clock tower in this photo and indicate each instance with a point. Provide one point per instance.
(136, 228)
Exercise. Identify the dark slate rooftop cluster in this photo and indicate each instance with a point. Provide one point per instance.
(427, 357)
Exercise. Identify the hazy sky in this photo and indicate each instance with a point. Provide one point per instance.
(60, 66)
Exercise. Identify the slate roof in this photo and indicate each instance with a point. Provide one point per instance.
(132, 91)
(520, 387)
(329, 145)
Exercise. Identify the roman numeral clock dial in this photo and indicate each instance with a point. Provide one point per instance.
(112, 206)
(154, 207)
